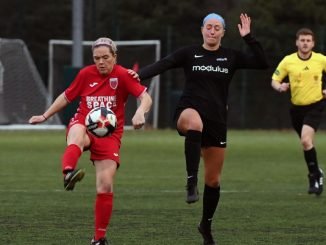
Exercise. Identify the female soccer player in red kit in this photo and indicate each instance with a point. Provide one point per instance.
(103, 84)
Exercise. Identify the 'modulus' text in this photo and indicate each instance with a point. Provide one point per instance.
(210, 69)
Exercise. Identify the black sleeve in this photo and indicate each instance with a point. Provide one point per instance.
(171, 61)
(257, 58)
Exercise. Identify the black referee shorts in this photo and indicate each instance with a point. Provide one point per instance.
(310, 115)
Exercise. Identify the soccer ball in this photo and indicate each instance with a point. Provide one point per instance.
(101, 122)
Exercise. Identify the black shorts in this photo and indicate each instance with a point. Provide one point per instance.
(214, 133)
(310, 115)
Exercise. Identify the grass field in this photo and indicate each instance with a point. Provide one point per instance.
(263, 200)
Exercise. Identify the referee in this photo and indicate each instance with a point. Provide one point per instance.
(305, 72)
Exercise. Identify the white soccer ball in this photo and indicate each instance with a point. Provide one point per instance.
(101, 122)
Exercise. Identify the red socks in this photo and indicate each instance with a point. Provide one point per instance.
(70, 157)
(103, 211)
(103, 202)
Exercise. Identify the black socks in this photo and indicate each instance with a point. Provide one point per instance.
(311, 159)
(210, 202)
(192, 153)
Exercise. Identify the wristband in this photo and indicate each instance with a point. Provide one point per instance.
(44, 117)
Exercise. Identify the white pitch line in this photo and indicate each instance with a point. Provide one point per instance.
(120, 191)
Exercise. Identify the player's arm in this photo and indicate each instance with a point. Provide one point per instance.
(56, 106)
(173, 60)
(138, 119)
(256, 59)
(154, 69)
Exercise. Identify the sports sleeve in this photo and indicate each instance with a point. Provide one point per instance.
(256, 59)
(171, 61)
(280, 72)
(131, 85)
(74, 89)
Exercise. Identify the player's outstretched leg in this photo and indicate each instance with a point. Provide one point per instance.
(101, 241)
(72, 177)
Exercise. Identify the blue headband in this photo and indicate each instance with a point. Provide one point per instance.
(216, 17)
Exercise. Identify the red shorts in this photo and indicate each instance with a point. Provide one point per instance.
(100, 148)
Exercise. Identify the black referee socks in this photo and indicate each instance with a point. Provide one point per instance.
(311, 159)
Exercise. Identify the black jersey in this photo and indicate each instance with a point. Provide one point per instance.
(208, 75)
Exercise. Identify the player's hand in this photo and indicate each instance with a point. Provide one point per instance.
(138, 121)
(133, 74)
(36, 119)
(244, 27)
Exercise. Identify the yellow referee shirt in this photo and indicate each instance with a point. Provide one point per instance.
(305, 77)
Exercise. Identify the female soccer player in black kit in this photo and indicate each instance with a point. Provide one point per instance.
(201, 114)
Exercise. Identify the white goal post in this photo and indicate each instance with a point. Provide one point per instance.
(130, 53)
(22, 91)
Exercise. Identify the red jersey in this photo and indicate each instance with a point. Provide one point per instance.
(111, 91)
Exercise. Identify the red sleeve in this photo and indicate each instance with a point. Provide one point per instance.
(75, 88)
(131, 85)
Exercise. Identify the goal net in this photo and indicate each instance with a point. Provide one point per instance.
(131, 54)
(22, 91)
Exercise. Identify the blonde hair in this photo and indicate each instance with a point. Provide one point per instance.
(105, 41)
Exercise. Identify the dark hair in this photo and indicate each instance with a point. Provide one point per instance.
(305, 31)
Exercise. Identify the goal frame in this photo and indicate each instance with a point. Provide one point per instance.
(14, 54)
(153, 89)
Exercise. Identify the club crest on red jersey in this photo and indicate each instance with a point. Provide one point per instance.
(113, 82)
